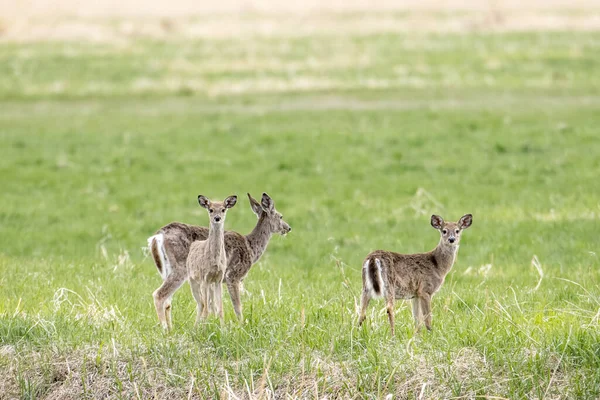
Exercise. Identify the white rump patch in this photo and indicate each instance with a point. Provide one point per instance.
(369, 283)
(164, 260)
(381, 282)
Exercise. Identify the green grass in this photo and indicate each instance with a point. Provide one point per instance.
(358, 140)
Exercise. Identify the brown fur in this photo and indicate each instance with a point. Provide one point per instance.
(412, 276)
(242, 250)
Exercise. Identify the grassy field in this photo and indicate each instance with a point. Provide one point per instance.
(358, 138)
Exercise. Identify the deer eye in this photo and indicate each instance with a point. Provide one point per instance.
(444, 231)
(281, 217)
(211, 210)
(457, 231)
(223, 210)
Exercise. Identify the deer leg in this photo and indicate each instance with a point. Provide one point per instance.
(364, 303)
(416, 310)
(197, 293)
(162, 298)
(205, 295)
(425, 301)
(218, 299)
(213, 296)
(168, 312)
(209, 299)
(390, 311)
(234, 293)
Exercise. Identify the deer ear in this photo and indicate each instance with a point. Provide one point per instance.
(437, 221)
(203, 201)
(267, 203)
(465, 221)
(256, 208)
(230, 201)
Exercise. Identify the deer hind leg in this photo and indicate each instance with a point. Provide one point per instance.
(390, 311)
(416, 310)
(425, 302)
(364, 303)
(168, 312)
(163, 296)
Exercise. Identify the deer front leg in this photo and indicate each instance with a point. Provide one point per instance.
(416, 310)
(425, 302)
(205, 293)
(218, 299)
(211, 295)
(234, 292)
(196, 287)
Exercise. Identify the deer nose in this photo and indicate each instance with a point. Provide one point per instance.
(451, 240)
(217, 219)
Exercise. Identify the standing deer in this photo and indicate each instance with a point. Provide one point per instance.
(412, 276)
(171, 244)
(206, 262)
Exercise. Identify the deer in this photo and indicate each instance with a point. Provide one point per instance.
(207, 261)
(390, 275)
(170, 246)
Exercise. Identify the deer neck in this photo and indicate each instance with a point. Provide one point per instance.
(445, 256)
(259, 238)
(216, 240)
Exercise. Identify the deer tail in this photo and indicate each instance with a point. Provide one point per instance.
(156, 244)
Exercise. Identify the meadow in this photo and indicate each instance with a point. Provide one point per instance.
(358, 137)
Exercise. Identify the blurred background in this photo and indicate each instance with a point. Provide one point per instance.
(104, 98)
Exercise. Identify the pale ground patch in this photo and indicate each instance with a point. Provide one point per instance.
(261, 84)
(272, 63)
(175, 8)
(568, 215)
(310, 102)
(551, 215)
(115, 21)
